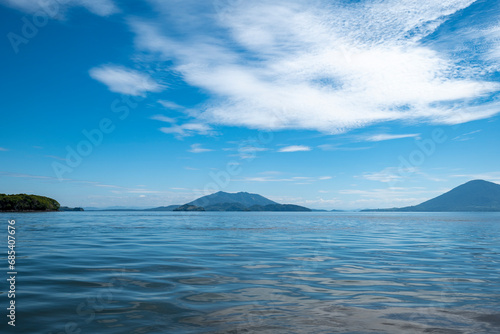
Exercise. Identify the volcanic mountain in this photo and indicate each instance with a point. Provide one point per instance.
(242, 201)
(476, 195)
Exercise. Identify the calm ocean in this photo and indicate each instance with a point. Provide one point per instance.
(137, 272)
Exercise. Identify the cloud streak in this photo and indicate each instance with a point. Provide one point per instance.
(385, 136)
(295, 148)
(188, 129)
(125, 81)
(197, 148)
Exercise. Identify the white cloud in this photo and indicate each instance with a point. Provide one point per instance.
(3, 149)
(188, 129)
(183, 130)
(196, 148)
(251, 149)
(247, 152)
(125, 81)
(56, 8)
(385, 136)
(466, 136)
(163, 118)
(323, 66)
(170, 105)
(390, 174)
(295, 148)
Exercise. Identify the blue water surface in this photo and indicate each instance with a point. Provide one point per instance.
(253, 272)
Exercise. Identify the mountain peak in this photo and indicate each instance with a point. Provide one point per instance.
(243, 198)
(475, 195)
(476, 181)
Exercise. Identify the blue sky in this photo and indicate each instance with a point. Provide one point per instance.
(327, 104)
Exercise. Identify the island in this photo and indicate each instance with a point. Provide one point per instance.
(241, 201)
(27, 203)
(31, 203)
(65, 208)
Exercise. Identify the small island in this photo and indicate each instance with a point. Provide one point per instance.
(65, 208)
(31, 203)
(27, 203)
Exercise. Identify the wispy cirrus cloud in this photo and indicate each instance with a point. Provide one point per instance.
(294, 148)
(188, 129)
(386, 136)
(197, 148)
(466, 136)
(2, 149)
(247, 151)
(322, 66)
(171, 105)
(163, 118)
(124, 80)
(389, 174)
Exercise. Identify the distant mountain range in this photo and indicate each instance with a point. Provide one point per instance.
(242, 201)
(476, 195)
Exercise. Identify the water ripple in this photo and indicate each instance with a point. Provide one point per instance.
(136, 272)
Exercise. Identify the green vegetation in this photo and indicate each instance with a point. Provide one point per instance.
(226, 207)
(65, 208)
(187, 207)
(23, 202)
